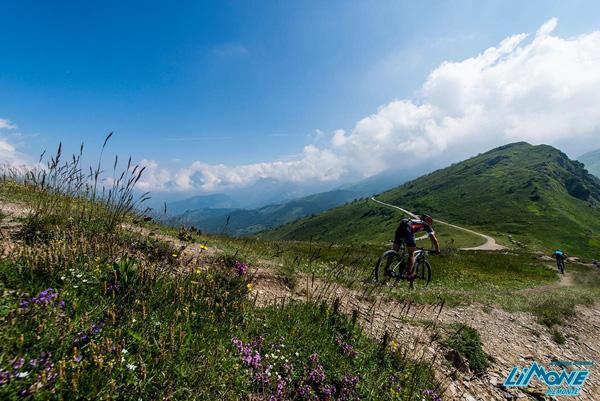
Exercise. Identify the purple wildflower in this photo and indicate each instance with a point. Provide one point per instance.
(4, 377)
(250, 356)
(316, 374)
(348, 386)
(305, 391)
(328, 391)
(43, 365)
(83, 338)
(432, 395)
(241, 268)
(18, 363)
(48, 297)
(113, 288)
(346, 348)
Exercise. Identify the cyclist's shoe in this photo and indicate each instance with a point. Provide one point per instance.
(389, 273)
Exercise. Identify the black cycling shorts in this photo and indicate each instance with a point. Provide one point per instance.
(404, 233)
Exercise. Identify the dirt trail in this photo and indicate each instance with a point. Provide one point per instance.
(511, 339)
(490, 243)
(565, 280)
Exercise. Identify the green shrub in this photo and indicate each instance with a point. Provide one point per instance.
(466, 341)
(557, 336)
(38, 228)
(551, 312)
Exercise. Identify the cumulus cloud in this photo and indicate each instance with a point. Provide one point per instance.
(9, 155)
(4, 123)
(314, 163)
(538, 87)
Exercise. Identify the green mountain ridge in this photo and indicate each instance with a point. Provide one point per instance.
(534, 193)
(240, 222)
(591, 160)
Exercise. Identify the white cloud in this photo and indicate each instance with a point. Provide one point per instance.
(313, 164)
(9, 155)
(6, 124)
(541, 88)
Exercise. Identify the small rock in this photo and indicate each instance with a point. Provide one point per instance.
(457, 360)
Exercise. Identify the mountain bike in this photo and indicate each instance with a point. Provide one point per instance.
(560, 263)
(393, 265)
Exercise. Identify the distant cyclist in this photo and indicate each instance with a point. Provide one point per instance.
(406, 233)
(560, 260)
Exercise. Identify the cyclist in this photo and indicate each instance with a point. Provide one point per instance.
(406, 232)
(560, 260)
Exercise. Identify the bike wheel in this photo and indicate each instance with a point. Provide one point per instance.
(561, 266)
(389, 260)
(422, 274)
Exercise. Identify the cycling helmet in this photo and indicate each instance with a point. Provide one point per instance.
(427, 219)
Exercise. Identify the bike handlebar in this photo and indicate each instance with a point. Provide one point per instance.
(426, 251)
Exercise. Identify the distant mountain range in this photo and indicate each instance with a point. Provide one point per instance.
(218, 213)
(534, 193)
(591, 161)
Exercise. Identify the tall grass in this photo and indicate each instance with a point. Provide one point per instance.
(91, 311)
(61, 189)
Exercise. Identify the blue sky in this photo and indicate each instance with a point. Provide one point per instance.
(239, 83)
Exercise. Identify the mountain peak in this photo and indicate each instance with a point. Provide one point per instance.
(532, 191)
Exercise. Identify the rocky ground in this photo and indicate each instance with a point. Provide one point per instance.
(508, 338)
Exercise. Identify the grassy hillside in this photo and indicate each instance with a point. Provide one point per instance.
(361, 221)
(93, 306)
(536, 194)
(591, 161)
(91, 310)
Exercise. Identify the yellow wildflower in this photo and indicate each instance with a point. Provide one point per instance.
(249, 286)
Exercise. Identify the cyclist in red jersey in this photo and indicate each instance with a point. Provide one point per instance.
(406, 232)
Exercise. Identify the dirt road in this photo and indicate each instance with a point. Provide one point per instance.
(490, 243)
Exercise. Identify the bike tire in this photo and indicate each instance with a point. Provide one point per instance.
(389, 258)
(562, 267)
(422, 274)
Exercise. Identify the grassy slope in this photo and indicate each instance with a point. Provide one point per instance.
(361, 221)
(489, 278)
(534, 193)
(79, 320)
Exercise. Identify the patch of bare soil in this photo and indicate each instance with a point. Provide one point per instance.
(12, 212)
